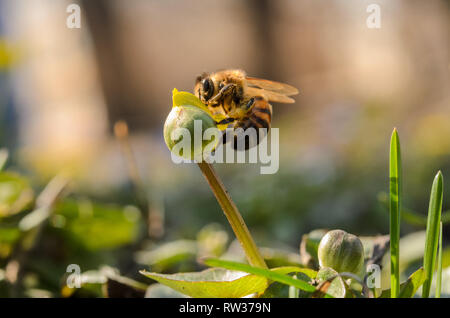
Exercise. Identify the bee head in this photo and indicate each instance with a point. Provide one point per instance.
(204, 87)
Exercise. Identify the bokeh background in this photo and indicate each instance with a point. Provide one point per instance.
(62, 90)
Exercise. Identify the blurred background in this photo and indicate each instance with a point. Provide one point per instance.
(114, 199)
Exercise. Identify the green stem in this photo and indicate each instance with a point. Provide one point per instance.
(234, 217)
(394, 208)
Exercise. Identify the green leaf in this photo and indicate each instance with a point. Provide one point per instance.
(98, 226)
(9, 235)
(277, 290)
(277, 275)
(15, 194)
(395, 175)
(336, 287)
(432, 238)
(408, 288)
(212, 283)
(222, 283)
(445, 257)
(439, 270)
(162, 291)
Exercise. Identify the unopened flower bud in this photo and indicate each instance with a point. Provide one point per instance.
(184, 132)
(342, 252)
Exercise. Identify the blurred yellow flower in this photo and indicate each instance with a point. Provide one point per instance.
(7, 55)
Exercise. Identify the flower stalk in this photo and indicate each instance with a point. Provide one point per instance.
(234, 217)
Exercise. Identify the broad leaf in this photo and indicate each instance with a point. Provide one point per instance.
(98, 226)
(9, 235)
(445, 285)
(212, 283)
(15, 194)
(162, 291)
(408, 288)
(330, 282)
(222, 283)
(277, 274)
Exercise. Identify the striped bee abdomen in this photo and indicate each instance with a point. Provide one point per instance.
(254, 126)
(260, 114)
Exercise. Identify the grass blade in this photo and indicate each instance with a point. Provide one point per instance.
(277, 277)
(394, 211)
(439, 270)
(432, 236)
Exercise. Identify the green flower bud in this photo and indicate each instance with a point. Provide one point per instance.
(184, 132)
(342, 252)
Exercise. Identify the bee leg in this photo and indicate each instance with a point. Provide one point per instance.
(250, 103)
(223, 91)
(225, 137)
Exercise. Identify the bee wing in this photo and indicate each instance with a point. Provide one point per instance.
(272, 86)
(269, 95)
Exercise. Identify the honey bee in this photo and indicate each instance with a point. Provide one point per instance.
(241, 100)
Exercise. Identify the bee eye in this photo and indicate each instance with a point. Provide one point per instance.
(208, 88)
(205, 85)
